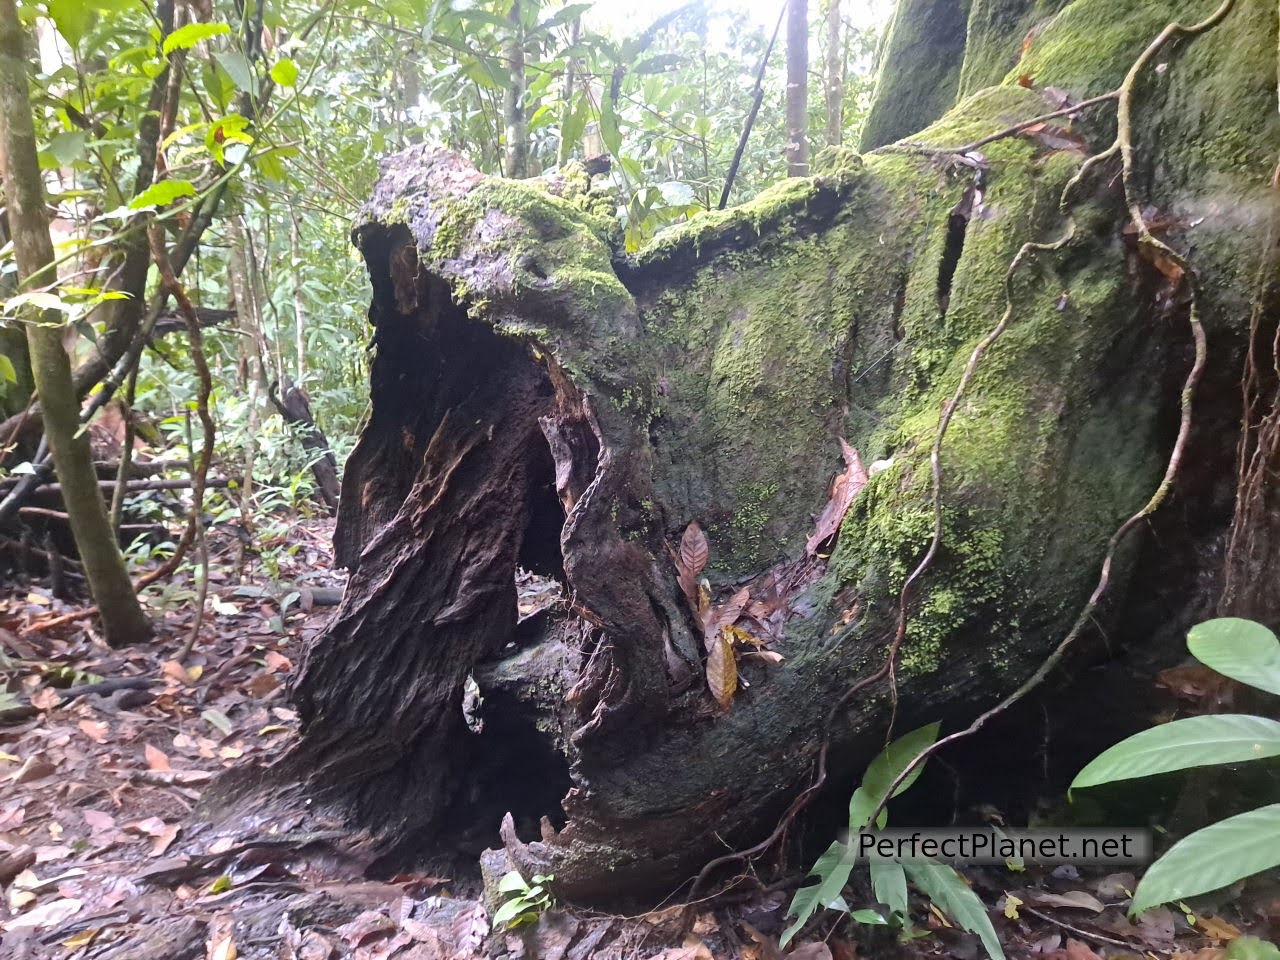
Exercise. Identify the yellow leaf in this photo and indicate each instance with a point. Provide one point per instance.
(1217, 929)
(81, 939)
(223, 950)
(722, 671)
(1011, 905)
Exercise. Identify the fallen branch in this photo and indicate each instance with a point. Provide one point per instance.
(139, 486)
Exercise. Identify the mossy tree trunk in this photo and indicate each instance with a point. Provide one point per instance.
(541, 400)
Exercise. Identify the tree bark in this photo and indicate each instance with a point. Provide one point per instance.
(542, 400)
(516, 158)
(835, 76)
(122, 617)
(797, 106)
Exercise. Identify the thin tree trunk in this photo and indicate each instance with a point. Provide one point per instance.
(835, 76)
(299, 310)
(797, 149)
(122, 617)
(250, 362)
(516, 163)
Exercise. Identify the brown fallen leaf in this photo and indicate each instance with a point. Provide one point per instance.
(95, 730)
(694, 549)
(722, 671)
(811, 951)
(98, 821)
(164, 839)
(844, 488)
(697, 951)
(1216, 929)
(1072, 899)
(1079, 950)
(44, 916)
(157, 759)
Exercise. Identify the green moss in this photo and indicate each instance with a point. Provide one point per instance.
(996, 33)
(920, 72)
(1090, 45)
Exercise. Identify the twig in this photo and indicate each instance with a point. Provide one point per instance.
(757, 97)
(908, 146)
(1087, 934)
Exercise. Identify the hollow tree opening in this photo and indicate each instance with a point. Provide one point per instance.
(711, 378)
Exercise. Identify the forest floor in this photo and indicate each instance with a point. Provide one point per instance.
(104, 852)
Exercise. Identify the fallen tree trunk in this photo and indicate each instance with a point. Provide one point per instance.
(541, 401)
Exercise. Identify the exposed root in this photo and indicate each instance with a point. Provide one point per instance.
(1253, 536)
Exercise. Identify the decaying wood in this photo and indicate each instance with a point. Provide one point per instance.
(678, 439)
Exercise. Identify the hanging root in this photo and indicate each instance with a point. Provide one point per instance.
(1173, 264)
(1253, 536)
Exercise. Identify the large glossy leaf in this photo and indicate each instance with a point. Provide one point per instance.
(832, 869)
(947, 890)
(1211, 858)
(1240, 649)
(1191, 742)
(884, 769)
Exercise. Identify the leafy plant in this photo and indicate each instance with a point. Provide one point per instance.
(939, 882)
(525, 902)
(1238, 846)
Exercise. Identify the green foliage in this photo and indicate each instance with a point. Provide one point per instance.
(1190, 742)
(939, 882)
(1240, 649)
(524, 902)
(1238, 846)
(947, 889)
(1212, 857)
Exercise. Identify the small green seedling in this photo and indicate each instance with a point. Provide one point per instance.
(523, 902)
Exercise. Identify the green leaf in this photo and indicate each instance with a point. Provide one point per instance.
(238, 69)
(889, 883)
(1211, 858)
(73, 18)
(166, 191)
(1190, 742)
(512, 913)
(512, 882)
(68, 146)
(221, 885)
(659, 63)
(284, 72)
(1240, 649)
(947, 890)
(868, 917)
(567, 13)
(574, 122)
(188, 36)
(7, 373)
(832, 871)
(886, 768)
(1251, 948)
(609, 131)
